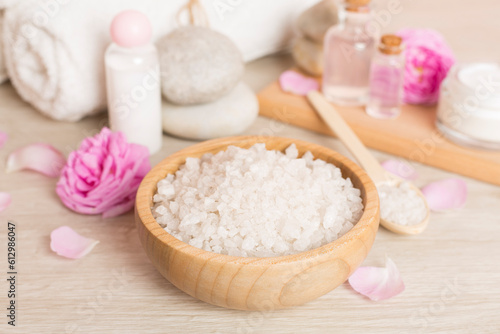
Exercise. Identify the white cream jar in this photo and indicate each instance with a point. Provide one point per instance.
(469, 105)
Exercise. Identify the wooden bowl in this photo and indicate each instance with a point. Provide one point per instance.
(251, 283)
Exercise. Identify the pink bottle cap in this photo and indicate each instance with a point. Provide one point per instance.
(131, 28)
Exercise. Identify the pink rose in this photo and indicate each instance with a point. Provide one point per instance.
(428, 60)
(103, 175)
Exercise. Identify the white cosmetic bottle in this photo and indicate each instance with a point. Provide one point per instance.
(133, 81)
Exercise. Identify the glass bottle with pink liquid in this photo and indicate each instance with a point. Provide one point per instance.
(349, 48)
(386, 79)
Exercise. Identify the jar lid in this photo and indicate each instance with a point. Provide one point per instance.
(357, 5)
(478, 84)
(477, 74)
(391, 44)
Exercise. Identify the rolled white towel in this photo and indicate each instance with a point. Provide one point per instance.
(55, 48)
(8, 3)
(3, 70)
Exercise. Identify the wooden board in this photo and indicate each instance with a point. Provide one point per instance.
(412, 136)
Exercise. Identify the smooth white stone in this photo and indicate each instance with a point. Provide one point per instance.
(230, 115)
(198, 65)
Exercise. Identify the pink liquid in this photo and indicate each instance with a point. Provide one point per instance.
(348, 53)
(386, 83)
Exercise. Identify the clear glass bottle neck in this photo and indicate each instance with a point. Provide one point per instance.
(356, 18)
(389, 55)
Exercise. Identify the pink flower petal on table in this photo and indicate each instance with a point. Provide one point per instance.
(446, 194)
(5, 200)
(296, 83)
(400, 168)
(378, 283)
(41, 158)
(66, 242)
(3, 138)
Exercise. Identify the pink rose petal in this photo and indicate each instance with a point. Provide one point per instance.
(66, 242)
(296, 83)
(446, 194)
(5, 200)
(3, 138)
(378, 283)
(400, 168)
(41, 158)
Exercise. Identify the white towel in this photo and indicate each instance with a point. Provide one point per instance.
(8, 3)
(55, 48)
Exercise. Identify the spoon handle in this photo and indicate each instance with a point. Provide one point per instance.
(337, 124)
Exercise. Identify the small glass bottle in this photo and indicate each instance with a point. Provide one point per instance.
(349, 48)
(386, 79)
(133, 81)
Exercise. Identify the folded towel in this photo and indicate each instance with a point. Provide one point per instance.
(55, 50)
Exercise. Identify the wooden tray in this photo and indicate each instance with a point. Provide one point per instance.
(412, 136)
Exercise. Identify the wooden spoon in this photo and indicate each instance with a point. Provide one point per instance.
(337, 124)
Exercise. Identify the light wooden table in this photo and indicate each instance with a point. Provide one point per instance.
(451, 272)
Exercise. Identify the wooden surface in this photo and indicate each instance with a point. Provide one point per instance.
(412, 136)
(257, 283)
(450, 271)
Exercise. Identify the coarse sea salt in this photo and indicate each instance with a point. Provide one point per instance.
(257, 202)
(401, 204)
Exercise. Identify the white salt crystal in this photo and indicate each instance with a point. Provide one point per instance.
(280, 247)
(401, 205)
(196, 242)
(166, 190)
(248, 243)
(221, 231)
(190, 219)
(255, 202)
(330, 216)
(192, 164)
(161, 210)
(292, 152)
(174, 207)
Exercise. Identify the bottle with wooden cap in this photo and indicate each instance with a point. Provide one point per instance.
(349, 48)
(386, 78)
